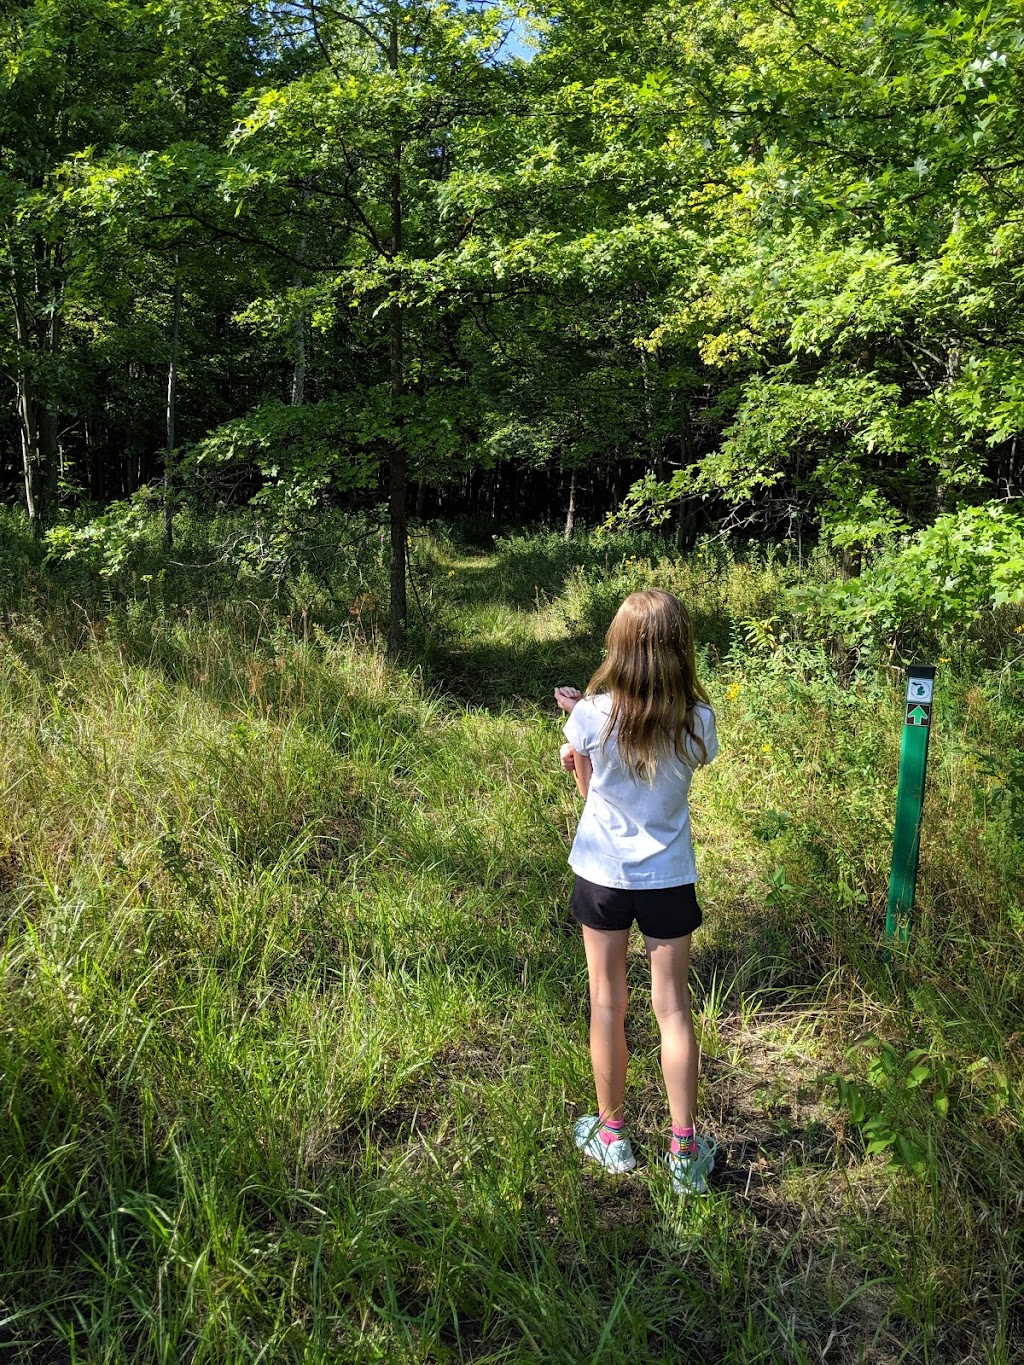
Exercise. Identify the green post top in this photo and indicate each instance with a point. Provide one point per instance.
(917, 724)
(920, 684)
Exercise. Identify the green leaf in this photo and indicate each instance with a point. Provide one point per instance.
(910, 1153)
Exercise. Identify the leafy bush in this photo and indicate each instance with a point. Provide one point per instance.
(21, 557)
(335, 562)
(107, 542)
(899, 1103)
(963, 567)
(734, 593)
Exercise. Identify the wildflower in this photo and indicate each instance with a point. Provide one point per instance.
(451, 573)
(766, 748)
(732, 691)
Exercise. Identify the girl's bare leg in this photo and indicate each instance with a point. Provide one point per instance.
(670, 995)
(606, 967)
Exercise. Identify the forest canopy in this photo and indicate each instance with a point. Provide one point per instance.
(754, 266)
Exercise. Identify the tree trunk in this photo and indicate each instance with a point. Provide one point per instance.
(37, 329)
(947, 491)
(686, 519)
(397, 496)
(89, 461)
(299, 366)
(172, 412)
(617, 475)
(29, 443)
(655, 446)
(852, 561)
(299, 325)
(48, 454)
(686, 524)
(1008, 473)
(397, 490)
(570, 515)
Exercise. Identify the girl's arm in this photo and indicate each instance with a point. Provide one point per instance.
(573, 762)
(579, 765)
(584, 771)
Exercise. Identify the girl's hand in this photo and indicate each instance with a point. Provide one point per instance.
(567, 697)
(567, 758)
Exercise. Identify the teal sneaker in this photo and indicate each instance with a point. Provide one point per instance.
(616, 1156)
(690, 1173)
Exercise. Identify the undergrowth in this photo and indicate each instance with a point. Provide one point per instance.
(293, 1021)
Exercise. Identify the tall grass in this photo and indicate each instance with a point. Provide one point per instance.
(293, 1021)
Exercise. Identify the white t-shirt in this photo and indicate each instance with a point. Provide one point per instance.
(633, 835)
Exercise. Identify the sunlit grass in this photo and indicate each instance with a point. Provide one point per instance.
(293, 1026)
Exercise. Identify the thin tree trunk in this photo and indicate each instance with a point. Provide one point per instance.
(1010, 476)
(655, 447)
(29, 445)
(172, 412)
(685, 519)
(37, 298)
(570, 515)
(397, 491)
(616, 485)
(38, 429)
(947, 492)
(398, 480)
(28, 407)
(299, 326)
(299, 367)
(48, 454)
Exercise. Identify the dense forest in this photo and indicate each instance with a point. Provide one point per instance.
(756, 267)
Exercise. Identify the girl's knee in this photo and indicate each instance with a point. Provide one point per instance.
(609, 995)
(670, 1001)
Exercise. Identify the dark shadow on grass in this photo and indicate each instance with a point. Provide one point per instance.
(526, 575)
(493, 673)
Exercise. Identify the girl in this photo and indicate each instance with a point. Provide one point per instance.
(633, 744)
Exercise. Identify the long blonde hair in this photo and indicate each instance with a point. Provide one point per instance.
(651, 675)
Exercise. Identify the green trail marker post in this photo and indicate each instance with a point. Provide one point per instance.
(906, 843)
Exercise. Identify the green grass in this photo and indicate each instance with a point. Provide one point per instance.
(294, 1022)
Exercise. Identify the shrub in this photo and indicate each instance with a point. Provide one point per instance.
(946, 579)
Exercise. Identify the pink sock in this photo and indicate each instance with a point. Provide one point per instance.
(684, 1143)
(611, 1130)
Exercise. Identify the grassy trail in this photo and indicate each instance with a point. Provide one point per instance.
(293, 1029)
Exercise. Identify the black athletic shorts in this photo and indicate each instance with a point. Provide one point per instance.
(668, 912)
